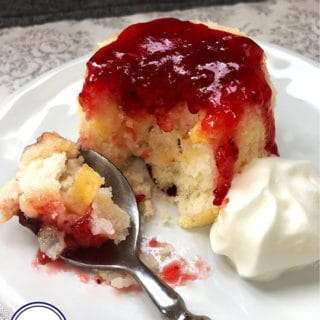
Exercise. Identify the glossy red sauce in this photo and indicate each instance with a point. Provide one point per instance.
(98, 279)
(173, 268)
(41, 258)
(52, 266)
(77, 232)
(154, 66)
(180, 271)
(154, 243)
(58, 265)
(175, 273)
(140, 197)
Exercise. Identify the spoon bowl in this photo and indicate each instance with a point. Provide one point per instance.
(124, 256)
(110, 254)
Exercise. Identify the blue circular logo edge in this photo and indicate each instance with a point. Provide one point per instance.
(37, 304)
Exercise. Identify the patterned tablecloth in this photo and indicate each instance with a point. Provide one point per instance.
(27, 52)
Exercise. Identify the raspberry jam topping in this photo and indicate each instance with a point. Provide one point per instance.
(76, 233)
(79, 233)
(152, 67)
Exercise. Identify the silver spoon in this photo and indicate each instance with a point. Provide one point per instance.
(124, 256)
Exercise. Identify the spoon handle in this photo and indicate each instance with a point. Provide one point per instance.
(168, 301)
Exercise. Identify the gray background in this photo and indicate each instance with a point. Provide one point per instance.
(25, 12)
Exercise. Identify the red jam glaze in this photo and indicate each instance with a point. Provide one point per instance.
(140, 197)
(77, 231)
(79, 234)
(154, 66)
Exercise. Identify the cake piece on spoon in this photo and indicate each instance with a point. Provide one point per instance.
(61, 198)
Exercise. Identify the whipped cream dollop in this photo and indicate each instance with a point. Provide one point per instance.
(269, 221)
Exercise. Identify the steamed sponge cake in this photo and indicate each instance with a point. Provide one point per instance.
(193, 101)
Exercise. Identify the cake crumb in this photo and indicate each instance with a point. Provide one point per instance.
(166, 252)
(147, 209)
(117, 279)
(165, 218)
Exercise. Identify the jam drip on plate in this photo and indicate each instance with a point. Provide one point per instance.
(152, 67)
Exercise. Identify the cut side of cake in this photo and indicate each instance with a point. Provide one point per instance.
(62, 199)
(193, 101)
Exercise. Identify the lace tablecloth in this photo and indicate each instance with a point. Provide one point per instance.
(27, 52)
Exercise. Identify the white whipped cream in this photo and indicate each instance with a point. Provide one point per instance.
(270, 219)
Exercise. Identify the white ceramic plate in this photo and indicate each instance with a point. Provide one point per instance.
(49, 103)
